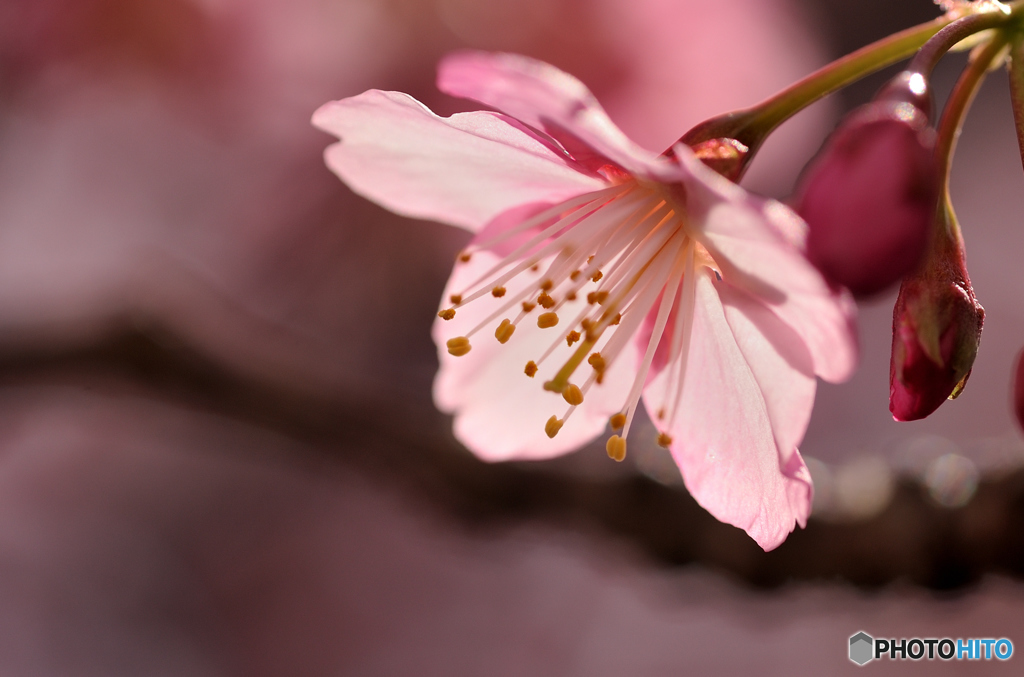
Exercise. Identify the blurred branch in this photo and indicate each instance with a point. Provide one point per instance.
(913, 539)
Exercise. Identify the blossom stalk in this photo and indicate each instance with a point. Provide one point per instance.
(937, 321)
(750, 127)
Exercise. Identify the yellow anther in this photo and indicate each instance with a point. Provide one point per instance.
(504, 331)
(597, 276)
(547, 285)
(571, 296)
(446, 314)
(616, 448)
(545, 301)
(527, 306)
(586, 324)
(573, 395)
(597, 297)
(465, 257)
(456, 299)
(458, 346)
(617, 421)
(531, 369)
(664, 440)
(498, 292)
(615, 320)
(574, 275)
(661, 413)
(590, 258)
(573, 337)
(597, 362)
(534, 268)
(553, 426)
(546, 320)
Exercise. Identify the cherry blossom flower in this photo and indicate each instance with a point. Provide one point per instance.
(602, 275)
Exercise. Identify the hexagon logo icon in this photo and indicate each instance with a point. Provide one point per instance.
(861, 648)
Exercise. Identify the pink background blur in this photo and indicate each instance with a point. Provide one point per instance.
(218, 454)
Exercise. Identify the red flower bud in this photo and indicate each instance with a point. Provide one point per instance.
(870, 196)
(936, 328)
(1018, 389)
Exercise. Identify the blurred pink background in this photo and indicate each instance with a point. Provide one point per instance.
(218, 454)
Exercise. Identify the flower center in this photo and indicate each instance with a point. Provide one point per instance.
(626, 250)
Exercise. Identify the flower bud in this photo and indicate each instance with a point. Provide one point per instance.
(870, 196)
(1018, 389)
(936, 328)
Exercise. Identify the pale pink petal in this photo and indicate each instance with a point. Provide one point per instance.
(463, 170)
(722, 435)
(550, 100)
(779, 362)
(499, 411)
(757, 244)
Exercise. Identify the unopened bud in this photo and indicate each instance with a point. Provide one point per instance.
(936, 329)
(870, 196)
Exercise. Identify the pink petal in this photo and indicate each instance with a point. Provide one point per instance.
(550, 100)
(723, 437)
(499, 411)
(758, 246)
(463, 170)
(779, 362)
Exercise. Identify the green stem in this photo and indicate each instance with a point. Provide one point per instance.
(924, 61)
(842, 72)
(751, 126)
(953, 117)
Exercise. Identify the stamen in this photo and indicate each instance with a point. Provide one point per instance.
(664, 440)
(566, 223)
(464, 257)
(545, 301)
(616, 448)
(572, 395)
(572, 338)
(586, 203)
(456, 299)
(683, 333)
(546, 320)
(504, 308)
(458, 346)
(617, 421)
(504, 331)
(597, 276)
(668, 297)
(547, 285)
(446, 314)
(597, 362)
(570, 296)
(553, 426)
(527, 306)
(579, 319)
(531, 369)
(597, 297)
(498, 292)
